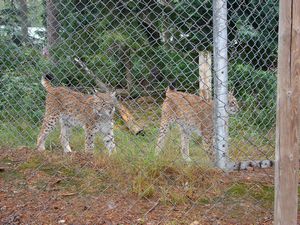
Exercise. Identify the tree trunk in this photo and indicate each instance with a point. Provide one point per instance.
(166, 34)
(24, 20)
(52, 23)
(128, 66)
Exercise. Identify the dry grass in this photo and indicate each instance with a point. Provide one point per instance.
(168, 182)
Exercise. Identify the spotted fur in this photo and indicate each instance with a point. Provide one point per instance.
(70, 108)
(192, 114)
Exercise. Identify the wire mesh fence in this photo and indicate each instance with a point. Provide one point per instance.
(181, 93)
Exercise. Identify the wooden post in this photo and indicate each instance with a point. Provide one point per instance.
(288, 122)
(205, 76)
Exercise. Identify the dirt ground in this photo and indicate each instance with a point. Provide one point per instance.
(29, 196)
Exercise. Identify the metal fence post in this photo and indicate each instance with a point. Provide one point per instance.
(220, 81)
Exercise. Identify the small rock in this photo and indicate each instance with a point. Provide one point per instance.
(61, 221)
(195, 223)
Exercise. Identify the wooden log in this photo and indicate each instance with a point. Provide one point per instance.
(131, 123)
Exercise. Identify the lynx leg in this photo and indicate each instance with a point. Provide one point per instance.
(109, 139)
(48, 126)
(209, 147)
(163, 130)
(89, 140)
(185, 138)
(65, 134)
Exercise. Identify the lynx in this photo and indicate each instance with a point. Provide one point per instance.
(192, 114)
(93, 112)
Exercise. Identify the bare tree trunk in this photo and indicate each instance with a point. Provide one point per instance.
(52, 23)
(128, 66)
(24, 20)
(166, 34)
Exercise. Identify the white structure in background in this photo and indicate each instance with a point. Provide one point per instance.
(36, 34)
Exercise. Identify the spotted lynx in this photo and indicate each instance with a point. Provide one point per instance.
(192, 114)
(93, 112)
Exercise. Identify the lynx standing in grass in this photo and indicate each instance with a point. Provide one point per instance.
(93, 112)
(192, 114)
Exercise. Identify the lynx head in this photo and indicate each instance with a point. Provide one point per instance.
(105, 103)
(233, 106)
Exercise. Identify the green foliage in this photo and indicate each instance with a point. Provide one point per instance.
(104, 33)
(9, 13)
(11, 19)
(253, 27)
(256, 90)
(13, 57)
(21, 97)
(195, 19)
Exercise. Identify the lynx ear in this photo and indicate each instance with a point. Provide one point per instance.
(230, 93)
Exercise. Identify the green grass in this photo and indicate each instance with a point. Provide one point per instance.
(259, 192)
(246, 140)
(11, 175)
(15, 134)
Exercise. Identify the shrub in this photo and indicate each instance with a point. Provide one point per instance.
(256, 89)
(21, 97)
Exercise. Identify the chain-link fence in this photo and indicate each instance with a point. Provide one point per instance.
(193, 84)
